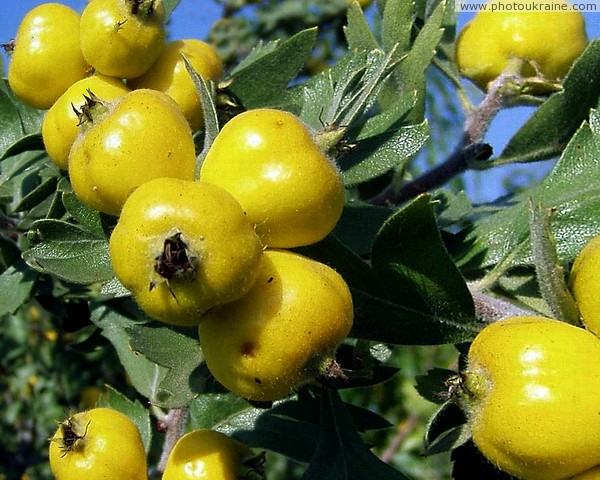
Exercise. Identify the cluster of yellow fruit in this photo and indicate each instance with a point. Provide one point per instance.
(214, 253)
(187, 248)
(105, 444)
(119, 75)
(531, 387)
(544, 36)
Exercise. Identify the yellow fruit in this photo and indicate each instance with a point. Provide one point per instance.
(60, 126)
(532, 404)
(209, 455)
(168, 74)
(122, 38)
(47, 58)
(290, 190)
(98, 444)
(592, 474)
(138, 137)
(182, 248)
(585, 284)
(277, 337)
(550, 40)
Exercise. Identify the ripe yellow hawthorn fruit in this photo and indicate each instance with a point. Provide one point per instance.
(211, 455)
(168, 74)
(182, 248)
(584, 281)
(551, 40)
(531, 389)
(592, 474)
(278, 336)
(138, 137)
(61, 122)
(288, 187)
(122, 38)
(98, 444)
(47, 58)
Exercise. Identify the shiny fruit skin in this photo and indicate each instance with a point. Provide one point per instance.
(584, 281)
(553, 40)
(268, 160)
(47, 58)
(60, 126)
(118, 42)
(534, 385)
(142, 136)
(108, 446)
(221, 245)
(168, 74)
(206, 454)
(276, 337)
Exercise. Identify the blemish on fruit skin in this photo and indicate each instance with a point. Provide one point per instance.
(257, 380)
(248, 349)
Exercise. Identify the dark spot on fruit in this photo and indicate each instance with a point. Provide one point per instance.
(270, 280)
(248, 349)
(257, 380)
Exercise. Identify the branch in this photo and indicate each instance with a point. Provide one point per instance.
(174, 425)
(458, 162)
(470, 148)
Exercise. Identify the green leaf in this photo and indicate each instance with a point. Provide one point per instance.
(27, 143)
(17, 119)
(340, 453)
(211, 122)
(376, 155)
(322, 95)
(552, 125)
(396, 29)
(90, 219)
(550, 274)
(16, 283)
(178, 350)
(133, 409)
(216, 411)
(37, 195)
(446, 429)
(281, 428)
(359, 224)
(410, 259)
(411, 71)
(358, 34)
(572, 189)
(69, 252)
(169, 5)
(145, 376)
(264, 82)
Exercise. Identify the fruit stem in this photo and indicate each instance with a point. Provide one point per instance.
(174, 423)
(489, 309)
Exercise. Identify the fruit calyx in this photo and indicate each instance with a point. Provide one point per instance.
(9, 47)
(144, 8)
(93, 110)
(176, 261)
(73, 435)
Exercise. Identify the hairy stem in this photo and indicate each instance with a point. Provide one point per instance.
(489, 309)
(470, 148)
(174, 423)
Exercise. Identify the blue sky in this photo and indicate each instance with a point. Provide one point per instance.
(192, 19)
